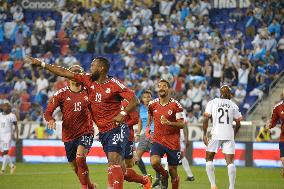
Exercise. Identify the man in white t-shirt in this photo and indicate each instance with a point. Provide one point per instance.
(41, 84)
(165, 7)
(8, 120)
(223, 112)
(243, 73)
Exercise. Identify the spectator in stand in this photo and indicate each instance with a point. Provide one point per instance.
(196, 93)
(186, 102)
(17, 53)
(50, 35)
(69, 60)
(205, 7)
(195, 8)
(147, 30)
(49, 22)
(275, 27)
(217, 70)
(20, 84)
(41, 84)
(273, 69)
(20, 38)
(158, 56)
(39, 24)
(166, 7)
(243, 73)
(166, 75)
(191, 119)
(240, 95)
(14, 7)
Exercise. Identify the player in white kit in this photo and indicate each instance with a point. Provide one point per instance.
(8, 122)
(223, 112)
(184, 143)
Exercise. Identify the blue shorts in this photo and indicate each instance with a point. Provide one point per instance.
(115, 140)
(173, 156)
(129, 150)
(281, 148)
(71, 146)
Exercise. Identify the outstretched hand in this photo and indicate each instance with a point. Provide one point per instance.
(32, 61)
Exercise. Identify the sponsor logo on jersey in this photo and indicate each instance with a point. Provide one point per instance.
(92, 87)
(155, 111)
(68, 98)
(108, 90)
(170, 112)
(86, 98)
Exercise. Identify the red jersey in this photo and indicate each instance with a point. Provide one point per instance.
(76, 118)
(105, 100)
(278, 114)
(164, 134)
(131, 119)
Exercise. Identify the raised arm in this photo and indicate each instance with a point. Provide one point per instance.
(57, 70)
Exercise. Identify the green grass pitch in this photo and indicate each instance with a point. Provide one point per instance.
(60, 176)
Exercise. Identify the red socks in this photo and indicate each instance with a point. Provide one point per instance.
(115, 175)
(131, 176)
(175, 183)
(83, 171)
(110, 182)
(160, 169)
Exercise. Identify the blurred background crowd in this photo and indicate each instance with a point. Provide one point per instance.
(190, 43)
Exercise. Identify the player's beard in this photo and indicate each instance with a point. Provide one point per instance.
(163, 93)
(95, 76)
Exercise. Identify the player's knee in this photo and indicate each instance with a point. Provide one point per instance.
(173, 172)
(128, 163)
(155, 161)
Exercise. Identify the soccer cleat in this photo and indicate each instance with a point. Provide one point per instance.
(164, 181)
(93, 186)
(156, 183)
(148, 185)
(12, 169)
(190, 178)
(214, 187)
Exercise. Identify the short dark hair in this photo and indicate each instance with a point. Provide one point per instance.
(104, 62)
(166, 81)
(76, 68)
(147, 92)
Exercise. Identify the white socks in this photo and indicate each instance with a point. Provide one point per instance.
(232, 175)
(186, 167)
(166, 166)
(210, 173)
(5, 162)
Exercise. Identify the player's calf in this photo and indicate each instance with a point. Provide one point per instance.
(175, 182)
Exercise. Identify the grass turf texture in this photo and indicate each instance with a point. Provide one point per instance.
(60, 176)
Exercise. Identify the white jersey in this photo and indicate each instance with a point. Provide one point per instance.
(6, 123)
(223, 112)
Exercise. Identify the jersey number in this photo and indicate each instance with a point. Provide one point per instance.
(77, 107)
(98, 97)
(222, 114)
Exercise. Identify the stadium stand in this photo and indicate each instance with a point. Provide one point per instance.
(187, 41)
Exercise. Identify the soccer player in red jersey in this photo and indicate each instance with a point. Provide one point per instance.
(278, 115)
(130, 175)
(77, 125)
(105, 95)
(167, 115)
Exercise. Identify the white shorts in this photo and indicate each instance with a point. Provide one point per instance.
(5, 142)
(228, 146)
